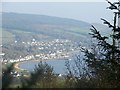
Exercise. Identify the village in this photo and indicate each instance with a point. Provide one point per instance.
(44, 50)
(51, 50)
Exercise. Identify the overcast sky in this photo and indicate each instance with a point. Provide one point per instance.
(86, 11)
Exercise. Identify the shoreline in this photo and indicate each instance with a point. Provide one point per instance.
(17, 67)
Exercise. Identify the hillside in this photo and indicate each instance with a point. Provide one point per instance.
(25, 27)
(43, 27)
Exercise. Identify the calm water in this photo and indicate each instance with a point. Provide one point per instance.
(58, 65)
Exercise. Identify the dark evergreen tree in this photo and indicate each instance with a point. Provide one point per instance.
(7, 77)
(42, 77)
(105, 64)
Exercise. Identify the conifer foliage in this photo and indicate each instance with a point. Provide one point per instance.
(105, 65)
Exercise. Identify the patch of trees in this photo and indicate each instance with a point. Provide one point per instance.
(103, 59)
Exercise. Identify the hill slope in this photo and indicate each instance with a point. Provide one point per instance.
(24, 27)
(43, 27)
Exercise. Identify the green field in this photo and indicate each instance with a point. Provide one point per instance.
(6, 36)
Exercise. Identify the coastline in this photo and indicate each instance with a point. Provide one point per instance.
(17, 64)
(17, 67)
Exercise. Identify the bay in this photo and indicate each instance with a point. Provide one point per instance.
(57, 64)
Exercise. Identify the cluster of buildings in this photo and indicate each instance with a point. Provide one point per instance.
(39, 57)
(42, 43)
(28, 57)
(52, 56)
(54, 49)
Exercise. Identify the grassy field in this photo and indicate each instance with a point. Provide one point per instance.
(6, 36)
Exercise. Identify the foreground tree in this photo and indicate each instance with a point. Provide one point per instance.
(42, 77)
(6, 76)
(105, 64)
(102, 60)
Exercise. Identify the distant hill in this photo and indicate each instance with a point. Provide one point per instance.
(24, 27)
(30, 19)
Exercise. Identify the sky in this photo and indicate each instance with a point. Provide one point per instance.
(86, 11)
(56, 0)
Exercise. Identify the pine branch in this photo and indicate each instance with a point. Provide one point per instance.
(106, 22)
(96, 34)
(113, 5)
(101, 39)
